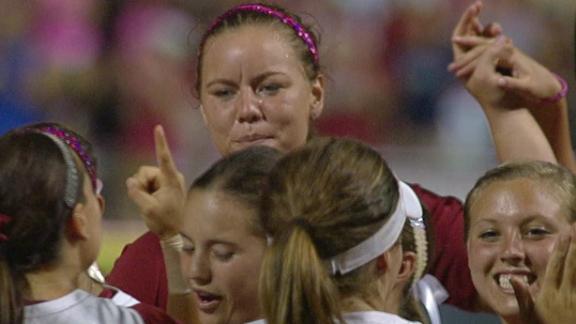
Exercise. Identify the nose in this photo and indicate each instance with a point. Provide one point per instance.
(513, 249)
(249, 107)
(198, 270)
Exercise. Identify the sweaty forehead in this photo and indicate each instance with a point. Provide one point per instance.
(253, 47)
(216, 215)
(515, 200)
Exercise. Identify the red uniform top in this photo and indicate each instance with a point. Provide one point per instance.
(140, 270)
(150, 314)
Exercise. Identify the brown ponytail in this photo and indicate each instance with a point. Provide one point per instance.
(10, 306)
(295, 286)
(320, 201)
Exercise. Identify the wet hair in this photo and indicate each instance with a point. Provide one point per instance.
(235, 18)
(321, 200)
(242, 176)
(34, 172)
(553, 178)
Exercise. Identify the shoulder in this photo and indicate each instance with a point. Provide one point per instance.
(118, 296)
(434, 201)
(140, 271)
(445, 212)
(151, 314)
(374, 317)
(147, 246)
(81, 307)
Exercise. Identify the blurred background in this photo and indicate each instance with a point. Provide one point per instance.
(113, 69)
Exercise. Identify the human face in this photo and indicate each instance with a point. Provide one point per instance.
(255, 90)
(221, 257)
(514, 225)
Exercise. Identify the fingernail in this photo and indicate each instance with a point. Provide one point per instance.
(501, 82)
(451, 67)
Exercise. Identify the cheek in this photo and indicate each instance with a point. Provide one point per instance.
(185, 264)
(539, 253)
(481, 257)
(241, 279)
(219, 116)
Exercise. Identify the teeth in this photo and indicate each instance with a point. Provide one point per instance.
(504, 280)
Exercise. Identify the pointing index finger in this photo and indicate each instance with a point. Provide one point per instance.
(163, 154)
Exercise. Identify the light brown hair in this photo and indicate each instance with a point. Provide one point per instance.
(321, 200)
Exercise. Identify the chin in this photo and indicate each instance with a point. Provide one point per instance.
(504, 307)
(238, 146)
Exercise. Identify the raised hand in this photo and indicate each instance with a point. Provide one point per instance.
(159, 191)
(470, 28)
(556, 300)
(518, 74)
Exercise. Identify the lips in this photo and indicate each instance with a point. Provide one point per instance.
(251, 138)
(207, 302)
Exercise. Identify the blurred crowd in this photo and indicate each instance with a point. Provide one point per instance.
(113, 69)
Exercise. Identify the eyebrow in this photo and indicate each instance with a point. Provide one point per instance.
(528, 219)
(257, 79)
(211, 242)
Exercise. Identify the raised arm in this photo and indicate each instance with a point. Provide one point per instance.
(160, 194)
(517, 83)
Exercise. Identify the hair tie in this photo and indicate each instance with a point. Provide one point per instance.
(284, 18)
(303, 224)
(561, 94)
(4, 220)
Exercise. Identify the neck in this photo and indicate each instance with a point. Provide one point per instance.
(355, 303)
(47, 284)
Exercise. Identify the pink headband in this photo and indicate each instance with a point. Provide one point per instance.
(4, 219)
(284, 18)
(74, 143)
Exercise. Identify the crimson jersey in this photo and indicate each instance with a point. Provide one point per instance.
(140, 269)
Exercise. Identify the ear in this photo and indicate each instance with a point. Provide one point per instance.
(317, 104)
(381, 263)
(101, 203)
(77, 226)
(408, 266)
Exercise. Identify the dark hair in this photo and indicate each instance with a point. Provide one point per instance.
(552, 178)
(234, 18)
(33, 175)
(241, 175)
(322, 200)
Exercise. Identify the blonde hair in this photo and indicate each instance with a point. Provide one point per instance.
(553, 178)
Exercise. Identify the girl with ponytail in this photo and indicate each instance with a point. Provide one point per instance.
(50, 231)
(337, 220)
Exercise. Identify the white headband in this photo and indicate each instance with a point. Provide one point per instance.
(408, 207)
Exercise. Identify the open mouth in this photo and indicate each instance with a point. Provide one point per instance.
(503, 280)
(207, 302)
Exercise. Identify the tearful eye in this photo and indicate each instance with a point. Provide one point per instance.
(223, 93)
(269, 89)
(489, 235)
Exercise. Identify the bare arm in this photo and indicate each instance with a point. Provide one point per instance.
(160, 195)
(479, 56)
